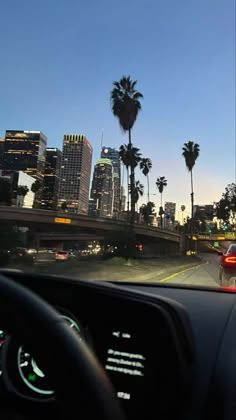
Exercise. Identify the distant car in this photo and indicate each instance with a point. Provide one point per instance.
(21, 255)
(227, 265)
(64, 255)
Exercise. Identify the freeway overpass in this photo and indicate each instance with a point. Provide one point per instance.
(216, 237)
(49, 223)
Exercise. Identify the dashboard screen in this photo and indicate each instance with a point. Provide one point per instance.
(133, 361)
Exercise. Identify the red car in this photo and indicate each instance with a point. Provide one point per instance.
(64, 255)
(227, 273)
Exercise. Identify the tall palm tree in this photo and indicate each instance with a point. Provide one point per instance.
(182, 209)
(125, 104)
(161, 183)
(130, 156)
(138, 192)
(190, 153)
(146, 166)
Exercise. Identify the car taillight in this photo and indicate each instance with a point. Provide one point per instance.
(20, 254)
(66, 255)
(56, 255)
(229, 288)
(230, 259)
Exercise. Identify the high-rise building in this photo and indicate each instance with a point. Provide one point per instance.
(25, 151)
(50, 191)
(102, 187)
(169, 215)
(75, 173)
(113, 155)
(2, 142)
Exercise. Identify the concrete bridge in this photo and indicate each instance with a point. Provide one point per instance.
(49, 224)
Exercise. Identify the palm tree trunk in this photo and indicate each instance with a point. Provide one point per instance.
(148, 188)
(132, 186)
(121, 185)
(192, 202)
(129, 132)
(161, 213)
(127, 193)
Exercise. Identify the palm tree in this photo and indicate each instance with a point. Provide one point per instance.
(36, 189)
(182, 209)
(190, 153)
(146, 166)
(125, 104)
(130, 156)
(147, 210)
(161, 182)
(138, 192)
(22, 190)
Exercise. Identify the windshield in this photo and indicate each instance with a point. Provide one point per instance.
(117, 140)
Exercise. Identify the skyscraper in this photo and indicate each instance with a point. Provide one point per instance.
(75, 173)
(51, 178)
(25, 151)
(102, 187)
(169, 215)
(113, 155)
(2, 142)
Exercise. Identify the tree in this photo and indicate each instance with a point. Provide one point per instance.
(21, 192)
(161, 183)
(225, 208)
(190, 153)
(5, 192)
(183, 209)
(36, 189)
(138, 191)
(146, 166)
(125, 104)
(130, 156)
(147, 210)
(36, 186)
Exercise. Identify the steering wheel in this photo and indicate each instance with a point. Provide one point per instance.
(81, 385)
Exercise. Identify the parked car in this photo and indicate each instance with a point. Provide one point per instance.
(227, 265)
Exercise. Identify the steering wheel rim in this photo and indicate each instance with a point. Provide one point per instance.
(79, 381)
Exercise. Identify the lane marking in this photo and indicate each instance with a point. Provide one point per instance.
(180, 272)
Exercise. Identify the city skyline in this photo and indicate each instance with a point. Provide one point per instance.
(183, 59)
(105, 151)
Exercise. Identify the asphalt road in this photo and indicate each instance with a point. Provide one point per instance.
(204, 274)
(202, 270)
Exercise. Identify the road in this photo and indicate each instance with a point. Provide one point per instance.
(205, 274)
(202, 270)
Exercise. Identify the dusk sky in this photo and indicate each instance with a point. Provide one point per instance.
(60, 57)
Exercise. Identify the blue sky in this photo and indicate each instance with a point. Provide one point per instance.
(60, 57)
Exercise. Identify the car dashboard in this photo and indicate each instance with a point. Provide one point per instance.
(168, 351)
